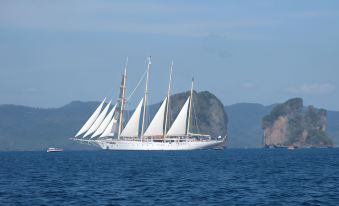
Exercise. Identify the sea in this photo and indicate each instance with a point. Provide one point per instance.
(205, 177)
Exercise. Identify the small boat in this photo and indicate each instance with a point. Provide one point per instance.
(291, 147)
(53, 149)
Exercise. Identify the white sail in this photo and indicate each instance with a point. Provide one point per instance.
(104, 123)
(132, 127)
(179, 126)
(98, 121)
(91, 120)
(156, 127)
(109, 129)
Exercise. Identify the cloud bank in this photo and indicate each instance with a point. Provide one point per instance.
(312, 89)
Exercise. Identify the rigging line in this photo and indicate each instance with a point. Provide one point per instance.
(148, 116)
(195, 117)
(129, 111)
(112, 92)
(109, 93)
(141, 79)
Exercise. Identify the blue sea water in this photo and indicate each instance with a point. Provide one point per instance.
(229, 177)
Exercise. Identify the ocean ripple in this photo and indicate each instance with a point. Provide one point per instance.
(230, 177)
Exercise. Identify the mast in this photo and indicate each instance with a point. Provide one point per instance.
(145, 100)
(190, 109)
(168, 100)
(122, 99)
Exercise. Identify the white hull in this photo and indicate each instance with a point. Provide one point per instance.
(54, 150)
(114, 144)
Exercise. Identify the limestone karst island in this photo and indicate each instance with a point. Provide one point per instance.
(292, 124)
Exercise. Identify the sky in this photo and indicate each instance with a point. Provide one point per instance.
(264, 51)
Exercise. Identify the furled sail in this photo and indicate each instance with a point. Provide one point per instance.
(179, 125)
(91, 120)
(132, 127)
(156, 127)
(98, 121)
(109, 131)
(104, 123)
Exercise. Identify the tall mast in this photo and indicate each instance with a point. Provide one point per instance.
(168, 100)
(145, 100)
(122, 99)
(190, 109)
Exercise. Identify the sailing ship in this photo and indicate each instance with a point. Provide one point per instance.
(106, 128)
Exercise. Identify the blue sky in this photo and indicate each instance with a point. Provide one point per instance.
(265, 51)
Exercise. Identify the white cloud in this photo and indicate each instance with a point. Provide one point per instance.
(248, 85)
(317, 88)
(86, 15)
(311, 14)
(120, 16)
(28, 90)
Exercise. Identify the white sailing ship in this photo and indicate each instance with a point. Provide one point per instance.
(106, 128)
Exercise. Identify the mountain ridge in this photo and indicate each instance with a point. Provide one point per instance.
(27, 128)
(244, 124)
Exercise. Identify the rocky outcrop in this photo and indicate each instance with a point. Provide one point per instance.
(290, 124)
(208, 116)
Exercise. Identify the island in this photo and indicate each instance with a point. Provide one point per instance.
(290, 124)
